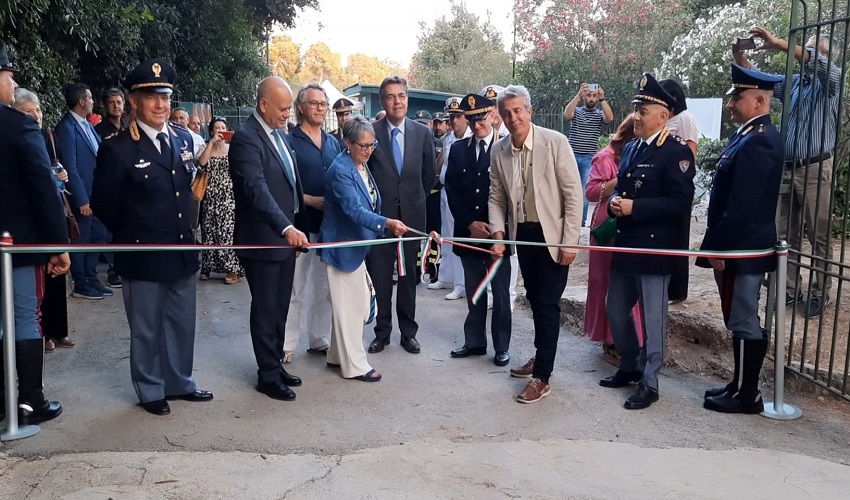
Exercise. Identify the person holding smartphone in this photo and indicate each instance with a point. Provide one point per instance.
(585, 129)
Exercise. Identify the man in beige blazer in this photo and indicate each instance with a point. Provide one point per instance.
(535, 184)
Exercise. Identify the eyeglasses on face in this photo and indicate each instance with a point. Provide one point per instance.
(317, 104)
(366, 147)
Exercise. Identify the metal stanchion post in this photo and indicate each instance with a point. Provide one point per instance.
(11, 431)
(778, 410)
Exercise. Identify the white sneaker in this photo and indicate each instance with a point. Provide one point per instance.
(438, 285)
(455, 294)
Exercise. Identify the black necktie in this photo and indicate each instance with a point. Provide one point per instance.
(164, 146)
(482, 155)
(641, 148)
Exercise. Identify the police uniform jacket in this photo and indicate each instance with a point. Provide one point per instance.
(144, 198)
(744, 195)
(31, 209)
(468, 189)
(337, 134)
(660, 180)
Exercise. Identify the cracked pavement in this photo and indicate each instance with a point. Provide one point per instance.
(435, 427)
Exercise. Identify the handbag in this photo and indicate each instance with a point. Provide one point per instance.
(73, 225)
(199, 185)
(372, 300)
(604, 232)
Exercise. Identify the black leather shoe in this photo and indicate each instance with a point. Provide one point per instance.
(289, 379)
(502, 358)
(411, 345)
(620, 379)
(465, 352)
(643, 398)
(378, 345)
(815, 306)
(159, 407)
(276, 390)
(196, 396)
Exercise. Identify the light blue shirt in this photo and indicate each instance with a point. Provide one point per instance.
(88, 129)
(400, 137)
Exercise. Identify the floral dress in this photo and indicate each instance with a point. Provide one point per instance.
(218, 219)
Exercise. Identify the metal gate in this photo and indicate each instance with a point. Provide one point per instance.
(814, 212)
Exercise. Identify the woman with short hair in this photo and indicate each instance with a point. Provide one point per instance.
(54, 304)
(352, 212)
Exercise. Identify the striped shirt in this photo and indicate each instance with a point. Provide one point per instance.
(585, 130)
(813, 113)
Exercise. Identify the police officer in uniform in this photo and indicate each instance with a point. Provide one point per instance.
(741, 217)
(142, 188)
(342, 108)
(655, 189)
(468, 190)
(32, 212)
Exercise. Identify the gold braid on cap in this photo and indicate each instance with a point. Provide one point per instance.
(651, 99)
(744, 86)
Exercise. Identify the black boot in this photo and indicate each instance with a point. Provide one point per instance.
(746, 397)
(33, 407)
(730, 387)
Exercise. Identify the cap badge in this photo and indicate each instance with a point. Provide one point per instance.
(157, 69)
(471, 101)
(643, 82)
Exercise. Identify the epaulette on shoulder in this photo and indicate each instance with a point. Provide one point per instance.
(134, 131)
(662, 137)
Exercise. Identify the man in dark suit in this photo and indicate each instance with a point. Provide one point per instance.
(142, 191)
(468, 190)
(269, 205)
(655, 189)
(741, 217)
(404, 166)
(33, 213)
(79, 143)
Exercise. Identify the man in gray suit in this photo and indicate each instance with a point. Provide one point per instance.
(404, 165)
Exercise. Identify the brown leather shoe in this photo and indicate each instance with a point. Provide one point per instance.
(49, 346)
(231, 279)
(534, 391)
(523, 371)
(66, 343)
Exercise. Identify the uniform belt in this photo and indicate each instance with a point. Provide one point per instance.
(808, 161)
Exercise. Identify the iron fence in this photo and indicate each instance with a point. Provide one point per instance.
(814, 204)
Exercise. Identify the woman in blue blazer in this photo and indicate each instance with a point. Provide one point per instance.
(352, 213)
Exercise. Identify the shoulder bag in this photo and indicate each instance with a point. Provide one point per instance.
(73, 226)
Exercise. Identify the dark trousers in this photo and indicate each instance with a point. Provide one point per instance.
(54, 308)
(681, 267)
(475, 326)
(379, 263)
(84, 265)
(270, 283)
(545, 281)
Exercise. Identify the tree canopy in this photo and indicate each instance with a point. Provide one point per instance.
(217, 48)
(460, 54)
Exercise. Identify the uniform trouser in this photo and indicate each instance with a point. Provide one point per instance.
(350, 299)
(162, 336)
(807, 208)
(84, 265)
(624, 291)
(545, 281)
(680, 267)
(739, 300)
(28, 291)
(451, 270)
(584, 166)
(310, 305)
(380, 265)
(475, 326)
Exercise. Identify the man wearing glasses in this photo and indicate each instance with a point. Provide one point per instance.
(310, 306)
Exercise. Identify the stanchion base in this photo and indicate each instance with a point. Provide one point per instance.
(786, 412)
(24, 431)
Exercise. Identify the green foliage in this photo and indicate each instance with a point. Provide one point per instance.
(460, 55)
(217, 47)
(708, 154)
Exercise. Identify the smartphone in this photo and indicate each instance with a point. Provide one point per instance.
(227, 135)
(746, 44)
(592, 87)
